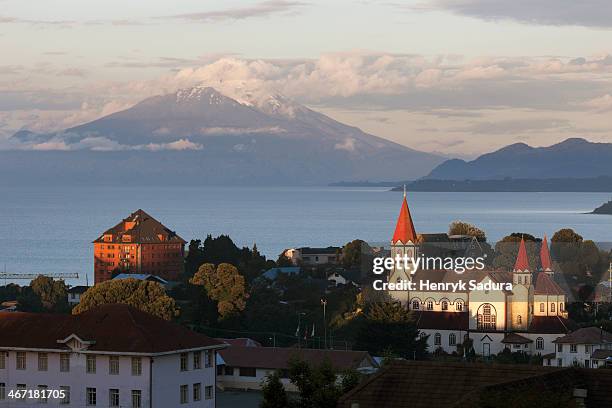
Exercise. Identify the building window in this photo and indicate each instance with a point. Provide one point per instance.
(541, 307)
(184, 394)
(184, 361)
(560, 348)
(459, 306)
(444, 305)
(519, 319)
(573, 348)
(539, 343)
(415, 305)
(248, 372)
(64, 362)
(42, 396)
(559, 362)
(561, 306)
(136, 366)
(229, 370)
(209, 361)
(437, 339)
(91, 364)
(452, 339)
(66, 398)
(2, 391)
(2, 360)
(113, 397)
(113, 365)
(20, 363)
(552, 307)
(486, 317)
(197, 392)
(197, 360)
(209, 392)
(429, 305)
(587, 348)
(136, 399)
(91, 396)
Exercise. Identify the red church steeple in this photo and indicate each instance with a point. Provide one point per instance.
(404, 229)
(522, 261)
(545, 256)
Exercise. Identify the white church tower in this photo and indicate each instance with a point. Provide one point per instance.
(404, 242)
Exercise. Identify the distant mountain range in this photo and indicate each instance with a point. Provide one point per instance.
(199, 136)
(572, 158)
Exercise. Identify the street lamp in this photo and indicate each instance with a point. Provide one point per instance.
(324, 303)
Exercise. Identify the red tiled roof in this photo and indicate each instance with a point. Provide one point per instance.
(442, 320)
(551, 325)
(545, 285)
(278, 358)
(404, 228)
(586, 335)
(515, 338)
(522, 261)
(114, 327)
(545, 256)
(145, 229)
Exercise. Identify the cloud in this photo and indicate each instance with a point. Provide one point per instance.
(262, 9)
(600, 103)
(75, 72)
(241, 131)
(589, 13)
(61, 142)
(348, 144)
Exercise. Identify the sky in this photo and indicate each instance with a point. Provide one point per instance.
(456, 77)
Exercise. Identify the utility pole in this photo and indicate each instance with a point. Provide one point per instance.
(324, 303)
(610, 283)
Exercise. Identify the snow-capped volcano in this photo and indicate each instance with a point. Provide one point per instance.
(256, 135)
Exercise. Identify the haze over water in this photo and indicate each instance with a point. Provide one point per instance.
(51, 229)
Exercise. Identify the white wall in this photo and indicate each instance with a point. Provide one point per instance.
(77, 379)
(167, 379)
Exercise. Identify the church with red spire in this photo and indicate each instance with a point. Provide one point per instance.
(526, 318)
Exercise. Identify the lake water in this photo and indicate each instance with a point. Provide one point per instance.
(51, 229)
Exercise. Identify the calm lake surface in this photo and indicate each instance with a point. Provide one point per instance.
(51, 229)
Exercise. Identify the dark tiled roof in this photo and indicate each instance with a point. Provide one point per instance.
(545, 285)
(78, 289)
(115, 327)
(601, 354)
(442, 320)
(416, 384)
(551, 325)
(278, 358)
(586, 335)
(146, 230)
(312, 251)
(515, 338)
(549, 356)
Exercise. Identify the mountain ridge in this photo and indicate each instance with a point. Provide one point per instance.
(214, 139)
(571, 158)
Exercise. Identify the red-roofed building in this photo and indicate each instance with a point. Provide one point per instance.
(245, 368)
(110, 356)
(139, 244)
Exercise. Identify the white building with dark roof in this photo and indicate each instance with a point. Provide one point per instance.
(526, 312)
(589, 347)
(111, 356)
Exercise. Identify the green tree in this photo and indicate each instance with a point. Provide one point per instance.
(147, 296)
(464, 228)
(225, 285)
(506, 250)
(53, 294)
(390, 328)
(317, 385)
(273, 392)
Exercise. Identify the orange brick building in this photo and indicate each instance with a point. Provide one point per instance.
(139, 244)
